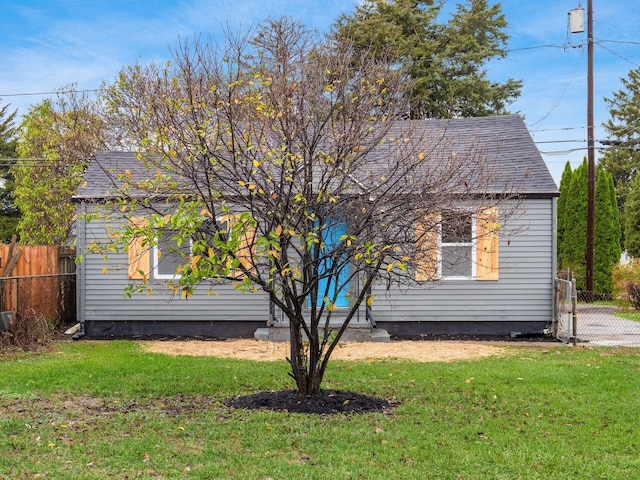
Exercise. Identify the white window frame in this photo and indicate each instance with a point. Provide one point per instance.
(471, 244)
(155, 260)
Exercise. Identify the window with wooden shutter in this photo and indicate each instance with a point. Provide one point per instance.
(426, 261)
(458, 246)
(139, 264)
(487, 245)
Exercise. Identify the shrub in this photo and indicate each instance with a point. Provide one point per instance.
(26, 331)
(626, 283)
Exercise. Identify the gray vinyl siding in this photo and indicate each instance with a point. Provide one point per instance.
(101, 293)
(524, 291)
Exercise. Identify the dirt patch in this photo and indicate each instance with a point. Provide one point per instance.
(325, 402)
(419, 351)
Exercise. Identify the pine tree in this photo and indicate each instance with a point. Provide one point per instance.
(9, 214)
(565, 182)
(607, 233)
(623, 127)
(7, 132)
(574, 243)
(632, 219)
(447, 61)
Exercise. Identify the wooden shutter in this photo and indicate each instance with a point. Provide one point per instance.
(487, 244)
(426, 261)
(139, 265)
(247, 248)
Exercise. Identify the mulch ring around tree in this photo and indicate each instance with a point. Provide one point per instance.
(324, 402)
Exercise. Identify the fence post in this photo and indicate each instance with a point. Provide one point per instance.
(574, 308)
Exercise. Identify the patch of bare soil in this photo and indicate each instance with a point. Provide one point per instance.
(419, 351)
(325, 402)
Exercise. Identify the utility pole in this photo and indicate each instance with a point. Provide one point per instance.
(591, 202)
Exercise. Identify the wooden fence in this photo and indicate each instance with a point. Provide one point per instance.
(38, 280)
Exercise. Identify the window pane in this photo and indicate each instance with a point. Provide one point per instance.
(456, 228)
(456, 261)
(170, 256)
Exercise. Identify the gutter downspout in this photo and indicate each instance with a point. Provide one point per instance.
(81, 236)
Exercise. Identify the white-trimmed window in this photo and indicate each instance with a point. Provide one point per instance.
(458, 246)
(167, 256)
(162, 261)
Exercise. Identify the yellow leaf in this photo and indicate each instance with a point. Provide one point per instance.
(421, 156)
(104, 270)
(389, 267)
(279, 230)
(370, 300)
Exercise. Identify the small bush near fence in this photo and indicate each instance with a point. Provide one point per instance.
(626, 283)
(33, 307)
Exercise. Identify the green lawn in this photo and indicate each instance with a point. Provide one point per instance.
(91, 410)
(629, 315)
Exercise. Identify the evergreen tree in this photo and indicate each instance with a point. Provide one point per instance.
(574, 244)
(8, 140)
(9, 214)
(632, 219)
(565, 182)
(607, 233)
(623, 128)
(446, 61)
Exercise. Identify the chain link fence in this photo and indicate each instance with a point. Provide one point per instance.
(594, 319)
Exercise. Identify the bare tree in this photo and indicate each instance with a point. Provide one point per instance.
(288, 169)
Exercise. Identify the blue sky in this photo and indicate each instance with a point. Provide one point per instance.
(46, 45)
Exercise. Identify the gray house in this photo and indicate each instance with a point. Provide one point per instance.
(513, 290)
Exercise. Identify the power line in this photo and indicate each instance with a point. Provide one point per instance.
(533, 48)
(620, 41)
(55, 92)
(618, 55)
(83, 5)
(556, 129)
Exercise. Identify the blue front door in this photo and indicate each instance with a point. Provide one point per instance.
(336, 284)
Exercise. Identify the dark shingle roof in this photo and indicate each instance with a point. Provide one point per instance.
(504, 140)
